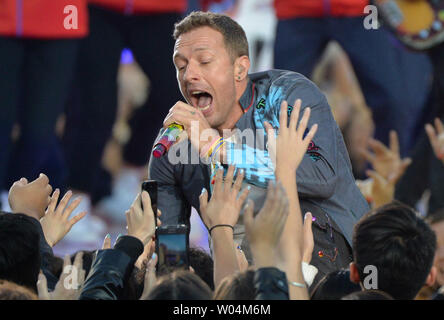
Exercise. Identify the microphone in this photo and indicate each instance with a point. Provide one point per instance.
(167, 139)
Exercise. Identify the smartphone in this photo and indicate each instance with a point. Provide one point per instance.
(172, 244)
(150, 186)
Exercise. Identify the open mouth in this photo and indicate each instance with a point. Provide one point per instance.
(202, 100)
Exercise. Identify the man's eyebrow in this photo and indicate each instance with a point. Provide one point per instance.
(178, 55)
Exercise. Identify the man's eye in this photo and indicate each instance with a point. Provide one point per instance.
(205, 62)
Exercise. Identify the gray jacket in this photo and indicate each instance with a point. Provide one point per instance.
(324, 177)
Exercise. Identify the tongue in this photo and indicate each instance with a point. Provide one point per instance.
(204, 100)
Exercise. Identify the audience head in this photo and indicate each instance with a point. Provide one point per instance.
(400, 245)
(334, 286)
(180, 285)
(368, 295)
(239, 286)
(19, 250)
(12, 291)
(202, 264)
(436, 222)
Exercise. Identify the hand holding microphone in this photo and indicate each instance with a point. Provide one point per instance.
(181, 118)
(167, 139)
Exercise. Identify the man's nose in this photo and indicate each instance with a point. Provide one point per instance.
(192, 73)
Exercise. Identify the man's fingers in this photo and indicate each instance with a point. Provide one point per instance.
(180, 117)
(106, 242)
(42, 287)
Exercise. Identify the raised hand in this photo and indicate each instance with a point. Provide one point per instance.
(140, 223)
(290, 146)
(225, 205)
(56, 223)
(265, 229)
(30, 198)
(387, 161)
(150, 277)
(70, 283)
(382, 189)
(436, 138)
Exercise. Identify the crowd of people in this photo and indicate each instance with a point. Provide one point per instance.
(321, 202)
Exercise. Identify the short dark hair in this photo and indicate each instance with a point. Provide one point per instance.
(12, 291)
(203, 265)
(19, 250)
(368, 295)
(180, 285)
(234, 36)
(334, 286)
(239, 286)
(399, 244)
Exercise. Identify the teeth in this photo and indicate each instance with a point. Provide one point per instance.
(205, 108)
(196, 92)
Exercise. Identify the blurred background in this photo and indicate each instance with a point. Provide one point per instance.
(84, 105)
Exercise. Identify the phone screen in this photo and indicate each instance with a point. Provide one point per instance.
(172, 250)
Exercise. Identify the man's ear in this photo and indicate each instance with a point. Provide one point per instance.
(241, 67)
(354, 274)
(431, 278)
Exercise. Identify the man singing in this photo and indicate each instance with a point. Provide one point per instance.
(212, 63)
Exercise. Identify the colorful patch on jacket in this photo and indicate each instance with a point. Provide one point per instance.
(312, 149)
(261, 104)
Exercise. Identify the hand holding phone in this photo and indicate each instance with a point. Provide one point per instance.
(172, 244)
(150, 186)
